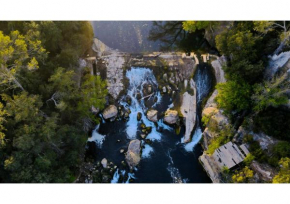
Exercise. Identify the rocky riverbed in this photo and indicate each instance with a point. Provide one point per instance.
(151, 126)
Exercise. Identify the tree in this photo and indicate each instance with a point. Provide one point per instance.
(41, 151)
(3, 114)
(64, 88)
(284, 174)
(93, 92)
(271, 93)
(243, 175)
(18, 52)
(192, 26)
(233, 95)
(240, 47)
(283, 27)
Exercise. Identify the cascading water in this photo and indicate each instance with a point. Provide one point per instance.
(164, 159)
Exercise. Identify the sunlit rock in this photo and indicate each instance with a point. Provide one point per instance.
(152, 115)
(110, 112)
(171, 117)
(133, 154)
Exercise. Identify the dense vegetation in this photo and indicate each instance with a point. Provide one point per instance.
(251, 96)
(46, 100)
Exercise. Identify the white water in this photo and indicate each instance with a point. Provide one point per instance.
(202, 89)
(116, 177)
(97, 137)
(147, 151)
(195, 139)
(174, 172)
(201, 85)
(138, 77)
(101, 116)
(130, 175)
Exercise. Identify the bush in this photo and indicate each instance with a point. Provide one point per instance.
(224, 136)
(234, 96)
(249, 158)
(243, 175)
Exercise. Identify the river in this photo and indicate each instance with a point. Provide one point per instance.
(164, 159)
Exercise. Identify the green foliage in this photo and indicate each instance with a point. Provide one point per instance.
(224, 136)
(93, 92)
(256, 151)
(280, 150)
(284, 174)
(205, 118)
(249, 158)
(44, 139)
(17, 52)
(243, 176)
(272, 93)
(3, 114)
(233, 95)
(192, 26)
(241, 47)
(41, 148)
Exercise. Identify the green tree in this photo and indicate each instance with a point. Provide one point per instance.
(282, 27)
(41, 151)
(93, 90)
(271, 93)
(240, 47)
(243, 175)
(192, 26)
(18, 52)
(233, 95)
(3, 114)
(284, 174)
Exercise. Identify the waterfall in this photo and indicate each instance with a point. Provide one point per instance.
(203, 85)
(97, 137)
(138, 77)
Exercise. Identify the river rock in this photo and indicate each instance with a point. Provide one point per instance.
(152, 115)
(122, 151)
(104, 163)
(139, 115)
(110, 112)
(133, 154)
(164, 89)
(143, 136)
(165, 77)
(149, 89)
(171, 117)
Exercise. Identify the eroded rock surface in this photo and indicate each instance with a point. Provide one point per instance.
(219, 72)
(188, 110)
(152, 115)
(133, 156)
(110, 112)
(171, 117)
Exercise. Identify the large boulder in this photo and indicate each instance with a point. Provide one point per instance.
(171, 117)
(152, 115)
(133, 156)
(110, 112)
(209, 111)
